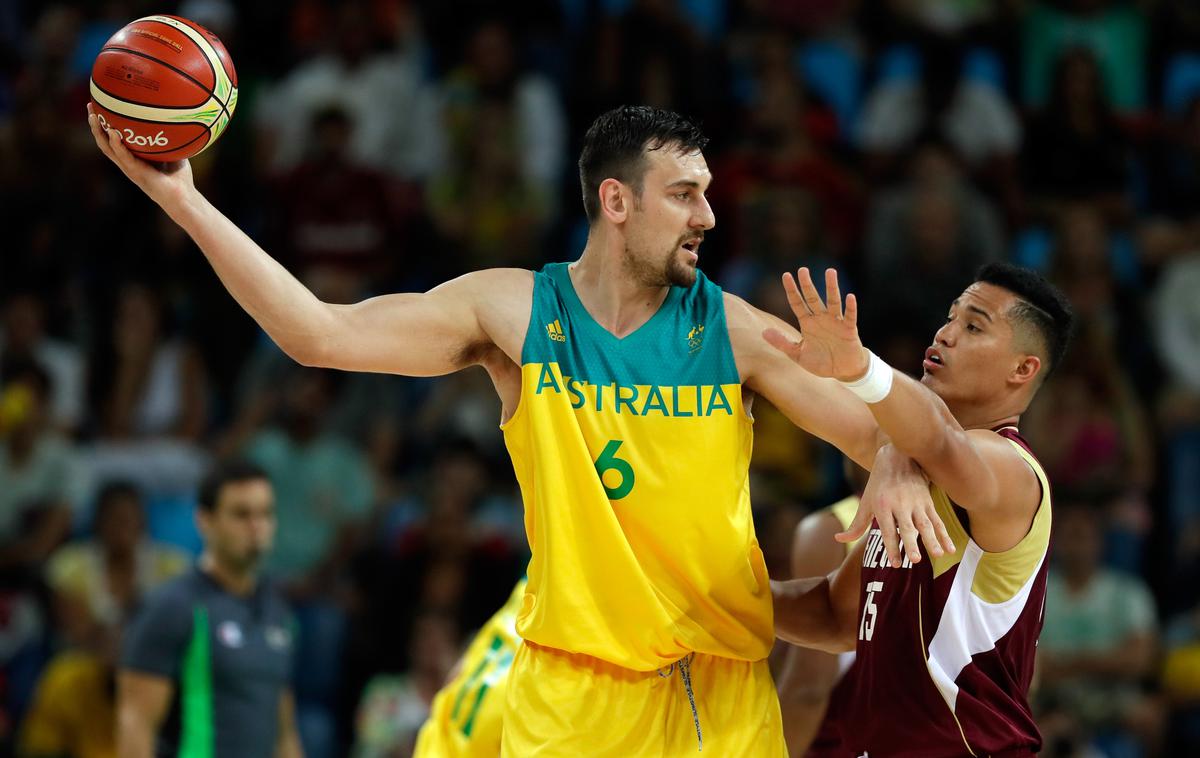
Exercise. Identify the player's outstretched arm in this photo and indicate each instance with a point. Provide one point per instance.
(978, 469)
(412, 334)
(821, 612)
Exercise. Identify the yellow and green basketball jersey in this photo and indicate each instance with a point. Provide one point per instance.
(466, 718)
(632, 456)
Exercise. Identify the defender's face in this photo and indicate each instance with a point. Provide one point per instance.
(664, 230)
(973, 354)
(240, 528)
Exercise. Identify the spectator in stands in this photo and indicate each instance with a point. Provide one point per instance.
(379, 89)
(23, 338)
(497, 144)
(1173, 164)
(1112, 31)
(99, 581)
(393, 706)
(783, 142)
(73, 713)
(1181, 679)
(971, 116)
(783, 225)
(1176, 314)
(42, 480)
(927, 237)
(337, 219)
(1099, 641)
(155, 385)
(1076, 149)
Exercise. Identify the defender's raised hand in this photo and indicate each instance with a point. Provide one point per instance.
(829, 344)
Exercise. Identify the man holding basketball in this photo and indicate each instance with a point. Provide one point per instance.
(626, 380)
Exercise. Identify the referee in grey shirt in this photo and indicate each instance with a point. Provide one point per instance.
(207, 663)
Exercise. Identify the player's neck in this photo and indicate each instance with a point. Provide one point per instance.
(611, 296)
(232, 580)
(984, 417)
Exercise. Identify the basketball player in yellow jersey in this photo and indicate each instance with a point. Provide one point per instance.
(467, 714)
(626, 380)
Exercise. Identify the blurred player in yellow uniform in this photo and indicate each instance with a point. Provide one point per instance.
(468, 712)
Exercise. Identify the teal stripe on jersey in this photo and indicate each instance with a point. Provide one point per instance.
(685, 343)
(196, 694)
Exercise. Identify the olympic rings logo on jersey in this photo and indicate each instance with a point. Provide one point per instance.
(137, 140)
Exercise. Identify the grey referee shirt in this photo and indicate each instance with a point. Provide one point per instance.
(229, 657)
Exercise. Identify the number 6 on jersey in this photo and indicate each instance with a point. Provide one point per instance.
(608, 461)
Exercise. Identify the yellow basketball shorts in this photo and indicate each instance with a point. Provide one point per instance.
(564, 704)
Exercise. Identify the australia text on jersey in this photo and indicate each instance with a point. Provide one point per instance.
(637, 400)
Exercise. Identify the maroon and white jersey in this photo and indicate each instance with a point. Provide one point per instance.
(946, 646)
(828, 741)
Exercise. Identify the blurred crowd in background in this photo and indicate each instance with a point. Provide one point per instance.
(385, 145)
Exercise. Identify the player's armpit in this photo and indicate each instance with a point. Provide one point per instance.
(820, 406)
(142, 703)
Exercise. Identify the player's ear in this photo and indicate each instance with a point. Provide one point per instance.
(615, 200)
(1028, 369)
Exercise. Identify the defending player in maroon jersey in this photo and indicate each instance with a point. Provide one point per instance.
(945, 638)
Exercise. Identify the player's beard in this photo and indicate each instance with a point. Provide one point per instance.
(669, 271)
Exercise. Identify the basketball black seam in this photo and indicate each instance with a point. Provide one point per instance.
(179, 71)
(204, 55)
(115, 96)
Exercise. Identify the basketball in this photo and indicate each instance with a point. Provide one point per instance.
(167, 85)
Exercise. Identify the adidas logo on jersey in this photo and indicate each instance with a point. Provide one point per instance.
(555, 330)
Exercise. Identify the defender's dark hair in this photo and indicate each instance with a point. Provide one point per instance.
(1042, 307)
(616, 143)
(226, 472)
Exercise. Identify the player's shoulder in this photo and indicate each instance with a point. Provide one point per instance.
(1001, 445)
(496, 283)
(814, 549)
(816, 528)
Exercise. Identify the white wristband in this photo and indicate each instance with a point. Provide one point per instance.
(876, 385)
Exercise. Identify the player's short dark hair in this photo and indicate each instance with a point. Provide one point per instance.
(616, 143)
(226, 472)
(1042, 307)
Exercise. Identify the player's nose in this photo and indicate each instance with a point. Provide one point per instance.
(945, 335)
(704, 218)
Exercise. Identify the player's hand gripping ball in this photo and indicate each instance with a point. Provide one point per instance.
(167, 85)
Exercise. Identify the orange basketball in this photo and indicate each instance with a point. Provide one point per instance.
(167, 85)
